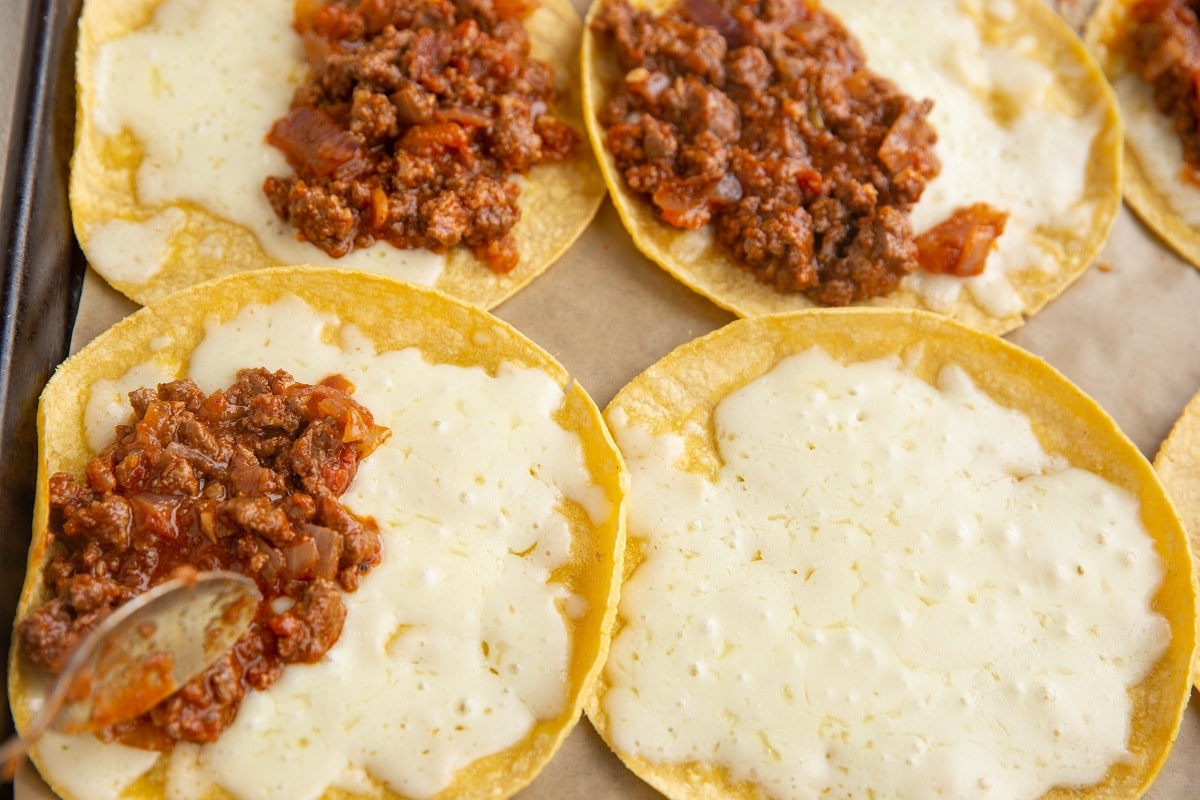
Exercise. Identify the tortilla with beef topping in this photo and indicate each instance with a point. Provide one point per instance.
(498, 499)
(392, 142)
(1023, 178)
(1160, 186)
(876, 553)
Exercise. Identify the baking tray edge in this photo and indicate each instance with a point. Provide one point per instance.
(42, 273)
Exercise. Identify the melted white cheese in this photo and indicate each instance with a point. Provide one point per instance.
(1158, 150)
(889, 590)
(456, 644)
(108, 401)
(134, 251)
(1032, 166)
(201, 113)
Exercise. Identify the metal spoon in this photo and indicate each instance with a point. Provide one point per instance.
(141, 653)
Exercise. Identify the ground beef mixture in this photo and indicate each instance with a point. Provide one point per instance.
(761, 117)
(245, 479)
(1164, 49)
(412, 119)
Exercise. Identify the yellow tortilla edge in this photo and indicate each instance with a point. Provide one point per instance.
(393, 315)
(1178, 465)
(713, 274)
(1147, 199)
(99, 193)
(679, 393)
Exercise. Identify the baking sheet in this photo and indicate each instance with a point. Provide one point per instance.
(1124, 333)
(42, 268)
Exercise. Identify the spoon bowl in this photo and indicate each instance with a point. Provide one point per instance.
(141, 653)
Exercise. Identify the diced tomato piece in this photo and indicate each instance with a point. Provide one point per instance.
(682, 204)
(960, 244)
(316, 146)
(435, 139)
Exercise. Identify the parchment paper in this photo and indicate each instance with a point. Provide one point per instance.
(1124, 333)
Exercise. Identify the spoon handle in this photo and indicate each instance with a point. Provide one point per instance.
(12, 753)
(15, 747)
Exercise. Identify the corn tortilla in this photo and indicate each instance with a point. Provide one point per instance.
(1178, 465)
(1153, 186)
(678, 396)
(1058, 250)
(558, 200)
(393, 315)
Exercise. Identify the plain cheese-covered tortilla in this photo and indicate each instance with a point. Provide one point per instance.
(878, 553)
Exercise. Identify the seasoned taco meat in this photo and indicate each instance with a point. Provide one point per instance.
(763, 119)
(411, 122)
(1164, 49)
(246, 479)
